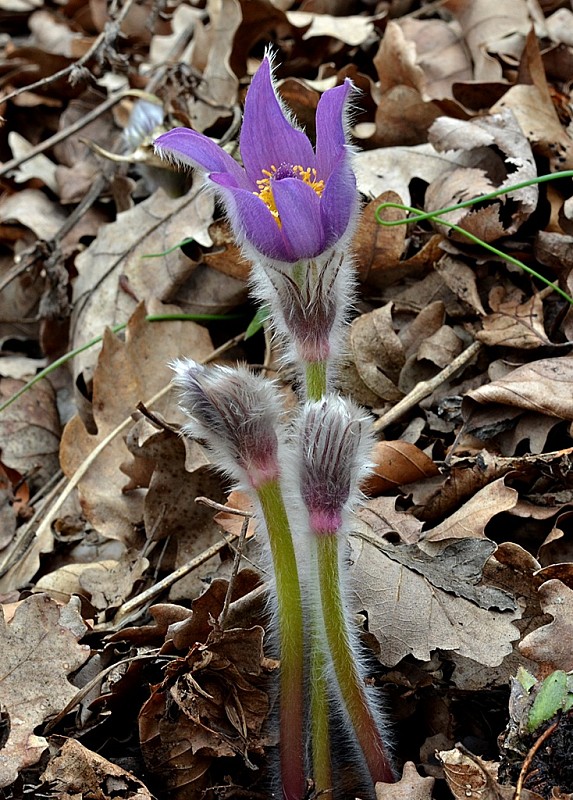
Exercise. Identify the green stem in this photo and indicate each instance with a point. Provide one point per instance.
(420, 216)
(291, 639)
(319, 698)
(435, 216)
(315, 374)
(348, 677)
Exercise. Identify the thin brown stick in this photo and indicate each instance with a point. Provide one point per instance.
(109, 34)
(76, 126)
(529, 758)
(425, 388)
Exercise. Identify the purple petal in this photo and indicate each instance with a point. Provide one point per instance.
(252, 222)
(299, 210)
(267, 137)
(339, 201)
(331, 127)
(189, 147)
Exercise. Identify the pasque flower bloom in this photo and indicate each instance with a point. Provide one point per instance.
(289, 202)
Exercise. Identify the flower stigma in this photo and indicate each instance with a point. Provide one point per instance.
(265, 192)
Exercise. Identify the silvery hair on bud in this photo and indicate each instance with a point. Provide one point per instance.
(334, 441)
(234, 411)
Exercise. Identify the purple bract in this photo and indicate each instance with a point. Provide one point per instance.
(289, 203)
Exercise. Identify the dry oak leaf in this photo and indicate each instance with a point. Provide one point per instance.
(495, 145)
(39, 650)
(30, 430)
(417, 603)
(485, 23)
(545, 386)
(513, 323)
(78, 772)
(472, 778)
(411, 786)
(470, 520)
(550, 644)
(116, 259)
(395, 464)
(127, 373)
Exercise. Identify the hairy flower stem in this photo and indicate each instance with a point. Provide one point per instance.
(348, 677)
(319, 697)
(291, 639)
(315, 374)
(316, 377)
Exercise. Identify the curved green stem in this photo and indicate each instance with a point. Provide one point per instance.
(420, 216)
(291, 639)
(316, 377)
(435, 216)
(347, 674)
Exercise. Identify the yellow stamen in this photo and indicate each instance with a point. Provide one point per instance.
(265, 192)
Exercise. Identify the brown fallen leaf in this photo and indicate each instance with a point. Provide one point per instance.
(470, 520)
(513, 323)
(127, 373)
(210, 705)
(39, 650)
(30, 431)
(417, 602)
(411, 786)
(550, 645)
(471, 777)
(78, 772)
(484, 23)
(544, 386)
(154, 226)
(395, 464)
(532, 104)
(496, 146)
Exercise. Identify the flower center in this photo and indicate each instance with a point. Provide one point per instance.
(265, 184)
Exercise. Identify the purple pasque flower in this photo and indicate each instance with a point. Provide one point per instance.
(289, 203)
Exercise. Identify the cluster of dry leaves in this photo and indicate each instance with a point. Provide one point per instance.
(133, 658)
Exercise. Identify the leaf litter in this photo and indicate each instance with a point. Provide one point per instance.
(119, 592)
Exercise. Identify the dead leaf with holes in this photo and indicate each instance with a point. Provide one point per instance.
(500, 156)
(472, 778)
(39, 650)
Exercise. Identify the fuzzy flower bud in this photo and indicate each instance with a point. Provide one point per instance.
(308, 305)
(334, 447)
(237, 414)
